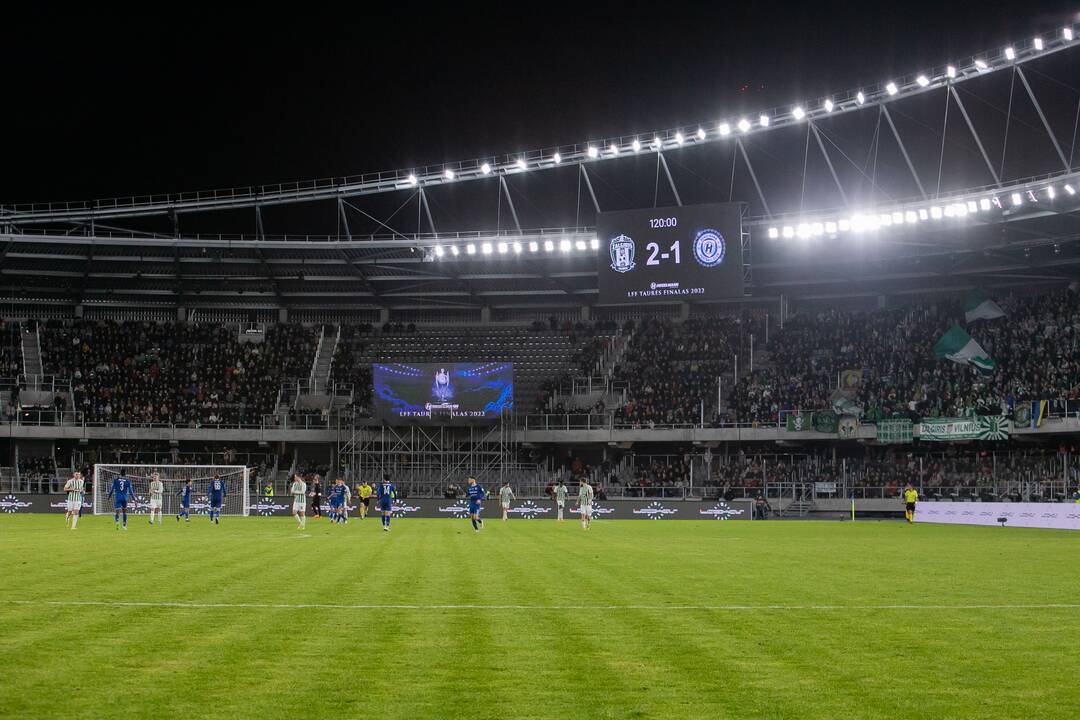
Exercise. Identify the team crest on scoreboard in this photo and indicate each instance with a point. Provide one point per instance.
(621, 249)
(709, 248)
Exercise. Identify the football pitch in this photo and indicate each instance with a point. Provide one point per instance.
(534, 619)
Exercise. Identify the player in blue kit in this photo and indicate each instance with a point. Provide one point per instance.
(476, 496)
(185, 502)
(123, 490)
(339, 496)
(386, 493)
(216, 491)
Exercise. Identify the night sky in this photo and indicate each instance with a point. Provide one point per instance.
(97, 106)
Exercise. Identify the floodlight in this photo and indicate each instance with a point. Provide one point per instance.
(411, 179)
(486, 248)
(486, 168)
(924, 214)
(891, 88)
(816, 229)
(534, 246)
(911, 217)
(679, 139)
(517, 248)
(922, 80)
(984, 204)
(580, 245)
(981, 64)
(774, 233)
(564, 245)
(763, 120)
(724, 129)
(592, 151)
(1010, 53)
(594, 244)
(972, 206)
(701, 133)
(744, 125)
(860, 98)
(657, 142)
(828, 105)
(950, 71)
(803, 230)
(788, 231)
(1050, 192)
(1038, 43)
(448, 174)
(798, 112)
(439, 252)
(503, 248)
(613, 148)
(1069, 189)
(1067, 33)
(548, 246)
(830, 228)
(843, 225)
(470, 249)
(935, 212)
(1017, 199)
(521, 164)
(556, 158)
(636, 145)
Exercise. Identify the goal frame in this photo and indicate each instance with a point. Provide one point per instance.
(163, 469)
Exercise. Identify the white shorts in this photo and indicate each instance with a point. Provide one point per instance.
(586, 511)
(74, 505)
(155, 504)
(560, 503)
(299, 506)
(506, 506)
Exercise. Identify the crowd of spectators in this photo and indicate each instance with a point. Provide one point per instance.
(143, 372)
(37, 472)
(10, 350)
(1036, 347)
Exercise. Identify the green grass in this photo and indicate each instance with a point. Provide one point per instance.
(623, 656)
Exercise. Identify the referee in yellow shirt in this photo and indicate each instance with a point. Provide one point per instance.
(364, 491)
(911, 496)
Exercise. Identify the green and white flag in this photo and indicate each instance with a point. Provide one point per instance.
(957, 345)
(979, 306)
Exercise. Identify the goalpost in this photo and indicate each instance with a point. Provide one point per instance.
(173, 477)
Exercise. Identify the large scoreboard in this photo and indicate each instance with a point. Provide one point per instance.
(674, 253)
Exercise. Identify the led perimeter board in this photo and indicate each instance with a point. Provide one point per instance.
(675, 253)
(442, 393)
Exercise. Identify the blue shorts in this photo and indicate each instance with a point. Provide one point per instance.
(386, 504)
(475, 508)
(119, 504)
(215, 503)
(336, 503)
(186, 504)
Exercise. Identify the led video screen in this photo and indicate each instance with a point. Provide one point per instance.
(443, 393)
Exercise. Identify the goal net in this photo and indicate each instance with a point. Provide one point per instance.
(173, 477)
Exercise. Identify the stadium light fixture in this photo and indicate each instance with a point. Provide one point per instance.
(828, 105)
(556, 158)
(1010, 53)
(922, 80)
(564, 245)
(860, 97)
(517, 248)
(891, 88)
(981, 65)
(788, 232)
(411, 179)
(744, 125)
(935, 213)
(1017, 199)
(843, 225)
(724, 129)
(593, 152)
(798, 112)
(503, 248)
(984, 204)
(486, 168)
(454, 250)
(448, 174)
(534, 246)
(580, 245)
(613, 148)
(521, 164)
(470, 249)
(439, 252)
(1050, 192)
(1067, 33)
(594, 244)
(486, 248)
(950, 71)
(763, 121)
(701, 133)
(657, 143)
(679, 139)
(1069, 189)
(830, 228)
(636, 145)
(774, 233)
(548, 246)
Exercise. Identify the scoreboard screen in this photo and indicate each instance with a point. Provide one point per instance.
(450, 393)
(675, 253)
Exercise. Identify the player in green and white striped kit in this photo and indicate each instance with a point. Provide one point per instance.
(75, 487)
(560, 499)
(505, 496)
(585, 497)
(157, 492)
(298, 490)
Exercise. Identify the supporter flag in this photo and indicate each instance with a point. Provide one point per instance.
(957, 345)
(979, 306)
(1039, 408)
